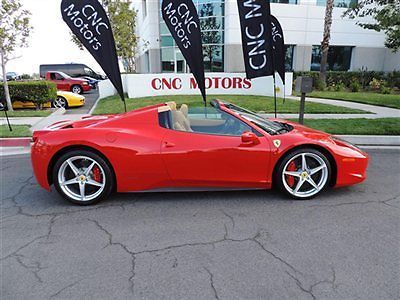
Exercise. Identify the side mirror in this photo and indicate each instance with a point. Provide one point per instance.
(249, 138)
(2, 107)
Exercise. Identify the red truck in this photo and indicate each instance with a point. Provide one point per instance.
(67, 83)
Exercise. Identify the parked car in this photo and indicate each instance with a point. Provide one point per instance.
(161, 147)
(93, 82)
(67, 83)
(64, 99)
(12, 76)
(73, 70)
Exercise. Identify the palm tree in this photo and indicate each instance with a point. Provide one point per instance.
(325, 40)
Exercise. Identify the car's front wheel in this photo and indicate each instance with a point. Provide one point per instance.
(303, 174)
(83, 177)
(77, 89)
(60, 102)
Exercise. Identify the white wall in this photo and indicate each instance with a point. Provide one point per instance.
(303, 24)
(147, 85)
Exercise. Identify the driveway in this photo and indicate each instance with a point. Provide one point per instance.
(209, 245)
(90, 100)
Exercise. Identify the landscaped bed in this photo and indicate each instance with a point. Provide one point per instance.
(112, 105)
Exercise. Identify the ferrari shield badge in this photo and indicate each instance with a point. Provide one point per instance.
(277, 143)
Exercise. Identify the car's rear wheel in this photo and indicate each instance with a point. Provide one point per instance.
(83, 177)
(77, 89)
(303, 173)
(60, 102)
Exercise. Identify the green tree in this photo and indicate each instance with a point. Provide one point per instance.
(325, 40)
(14, 32)
(386, 15)
(123, 22)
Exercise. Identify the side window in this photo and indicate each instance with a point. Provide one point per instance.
(213, 121)
(52, 76)
(58, 76)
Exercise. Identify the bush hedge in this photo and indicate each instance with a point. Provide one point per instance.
(333, 78)
(38, 92)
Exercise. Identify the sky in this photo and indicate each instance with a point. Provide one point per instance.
(49, 42)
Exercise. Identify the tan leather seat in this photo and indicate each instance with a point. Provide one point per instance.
(185, 110)
(179, 121)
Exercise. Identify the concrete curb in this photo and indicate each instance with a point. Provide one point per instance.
(15, 142)
(372, 140)
(94, 105)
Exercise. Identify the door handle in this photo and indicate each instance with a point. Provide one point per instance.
(169, 145)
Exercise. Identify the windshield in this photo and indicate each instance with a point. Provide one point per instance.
(272, 127)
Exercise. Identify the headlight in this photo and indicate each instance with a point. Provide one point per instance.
(85, 83)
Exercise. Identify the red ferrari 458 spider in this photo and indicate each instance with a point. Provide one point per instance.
(162, 147)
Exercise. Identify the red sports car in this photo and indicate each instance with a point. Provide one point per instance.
(162, 147)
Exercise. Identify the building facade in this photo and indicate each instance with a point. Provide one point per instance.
(351, 47)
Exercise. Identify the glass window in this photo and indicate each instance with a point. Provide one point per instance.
(211, 23)
(206, 120)
(211, 13)
(339, 3)
(339, 58)
(289, 57)
(210, 9)
(167, 41)
(284, 1)
(213, 58)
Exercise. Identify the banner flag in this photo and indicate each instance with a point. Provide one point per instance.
(183, 22)
(88, 20)
(278, 45)
(255, 23)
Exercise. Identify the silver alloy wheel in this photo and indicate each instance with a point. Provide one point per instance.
(307, 181)
(76, 89)
(76, 178)
(60, 102)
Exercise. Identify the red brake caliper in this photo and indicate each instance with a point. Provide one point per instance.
(289, 178)
(97, 174)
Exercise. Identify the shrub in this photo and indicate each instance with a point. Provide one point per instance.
(340, 87)
(38, 92)
(319, 84)
(375, 84)
(385, 90)
(391, 79)
(355, 86)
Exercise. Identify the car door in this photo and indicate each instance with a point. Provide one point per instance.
(213, 159)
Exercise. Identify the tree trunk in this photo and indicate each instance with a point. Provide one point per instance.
(5, 83)
(325, 40)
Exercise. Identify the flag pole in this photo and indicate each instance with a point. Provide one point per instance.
(275, 110)
(123, 99)
(8, 121)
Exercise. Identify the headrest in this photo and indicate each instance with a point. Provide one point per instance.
(185, 110)
(171, 104)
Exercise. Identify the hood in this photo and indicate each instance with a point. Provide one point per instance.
(303, 133)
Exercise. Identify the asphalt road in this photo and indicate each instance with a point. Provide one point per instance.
(222, 245)
(90, 100)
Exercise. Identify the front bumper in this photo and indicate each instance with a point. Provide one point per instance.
(352, 164)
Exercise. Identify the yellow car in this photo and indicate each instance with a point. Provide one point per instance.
(64, 99)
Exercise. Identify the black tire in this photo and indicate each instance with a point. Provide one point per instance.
(63, 99)
(325, 174)
(102, 165)
(77, 89)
